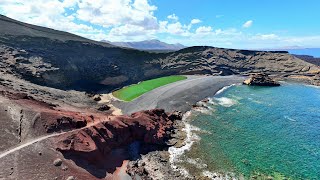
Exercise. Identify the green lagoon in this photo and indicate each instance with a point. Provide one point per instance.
(131, 92)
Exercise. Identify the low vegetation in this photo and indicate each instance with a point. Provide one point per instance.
(131, 92)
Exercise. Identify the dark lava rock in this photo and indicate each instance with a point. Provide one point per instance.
(97, 98)
(177, 115)
(260, 79)
(104, 108)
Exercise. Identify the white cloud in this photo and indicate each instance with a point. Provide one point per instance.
(195, 21)
(204, 30)
(125, 20)
(175, 28)
(247, 24)
(108, 13)
(173, 17)
(41, 12)
(265, 37)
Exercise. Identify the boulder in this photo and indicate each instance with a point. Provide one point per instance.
(97, 97)
(104, 108)
(70, 178)
(260, 79)
(57, 162)
(176, 115)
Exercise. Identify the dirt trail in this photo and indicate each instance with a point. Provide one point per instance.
(29, 143)
(21, 146)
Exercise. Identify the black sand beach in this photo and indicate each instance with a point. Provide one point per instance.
(179, 96)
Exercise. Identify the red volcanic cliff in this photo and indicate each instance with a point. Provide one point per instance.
(42, 117)
(93, 143)
(97, 141)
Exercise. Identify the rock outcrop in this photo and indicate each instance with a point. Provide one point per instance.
(261, 79)
(97, 141)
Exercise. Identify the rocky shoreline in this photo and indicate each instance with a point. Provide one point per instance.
(156, 164)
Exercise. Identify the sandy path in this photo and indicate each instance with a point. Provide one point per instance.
(28, 144)
(21, 146)
(180, 95)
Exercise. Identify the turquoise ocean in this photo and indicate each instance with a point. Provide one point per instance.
(255, 133)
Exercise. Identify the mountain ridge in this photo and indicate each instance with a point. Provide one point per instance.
(298, 50)
(152, 44)
(17, 28)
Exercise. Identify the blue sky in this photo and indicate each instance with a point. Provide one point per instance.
(297, 17)
(243, 24)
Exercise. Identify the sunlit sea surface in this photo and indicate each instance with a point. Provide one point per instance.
(257, 133)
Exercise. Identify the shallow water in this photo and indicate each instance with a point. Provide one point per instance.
(258, 131)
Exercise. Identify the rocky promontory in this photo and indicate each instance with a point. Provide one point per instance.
(261, 79)
(97, 141)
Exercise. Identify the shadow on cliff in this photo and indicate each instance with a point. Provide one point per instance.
(99, 166)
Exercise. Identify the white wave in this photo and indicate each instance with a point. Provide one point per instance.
(312, 86)
(258, 102)
(211, 101)
(197, 162)
(210, 175)
(255, 101)
(289, 118)
(226, 102)
(237, 97)
(216, 176)
(224, 88)
(186, 115)
(204, 110)
(175, 153)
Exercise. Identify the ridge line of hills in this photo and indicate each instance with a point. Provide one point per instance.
(66, 61)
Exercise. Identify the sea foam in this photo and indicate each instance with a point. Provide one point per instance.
(224, 88)
(175, 153)
(226, 102)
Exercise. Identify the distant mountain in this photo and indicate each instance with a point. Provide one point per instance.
(298, 50)
(310, 55)
(315, 52)
(148, 45)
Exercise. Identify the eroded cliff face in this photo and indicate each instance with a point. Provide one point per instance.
(25, 117)
(94, 143)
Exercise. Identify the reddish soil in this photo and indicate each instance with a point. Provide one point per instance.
(96, 142)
